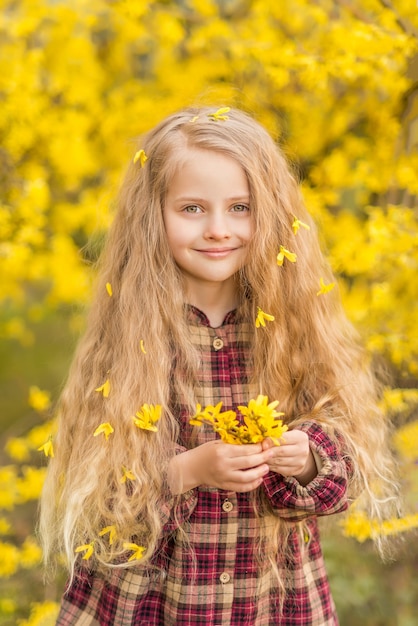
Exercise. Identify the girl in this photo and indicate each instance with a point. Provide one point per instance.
(212, 289)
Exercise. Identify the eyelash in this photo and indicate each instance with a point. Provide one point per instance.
(242, 208)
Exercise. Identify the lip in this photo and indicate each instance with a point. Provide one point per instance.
(216, 252)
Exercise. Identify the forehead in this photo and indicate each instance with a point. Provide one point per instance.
(199, 167)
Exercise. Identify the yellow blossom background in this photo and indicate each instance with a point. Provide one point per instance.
(335, 82)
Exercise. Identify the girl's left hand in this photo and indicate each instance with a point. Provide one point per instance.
(293, 457)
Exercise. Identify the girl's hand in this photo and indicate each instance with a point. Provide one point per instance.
(293, 457)
(222, 465)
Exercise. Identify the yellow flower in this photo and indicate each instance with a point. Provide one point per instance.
(109, 289)
(38, 399)
(104, 428)
(261, 420)
(147, 416)
(18, 448)
(88, 548)
(111, 530)
(297, 224)
(141, 157)
(283, 253)
(104, 389)
(138, 551)
(209, 414)
(262, 317)
(225, 424)
(126, 474)
(141, 343)
(219, 115)
(324, 288)
(47, 448)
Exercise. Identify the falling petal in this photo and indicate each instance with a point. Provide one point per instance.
(285, 254)
(109, 289)
(220, 114)
(105, 428)
(111, 530)
(104, 389)
(141, 157)
(47, 448)
(88, 548)
(141, 343)
(262, 317)
(297, 224)
(138, 551)
(324, 288)
(126, 475)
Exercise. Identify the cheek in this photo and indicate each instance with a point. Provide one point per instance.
(176, 238)
(247, 231)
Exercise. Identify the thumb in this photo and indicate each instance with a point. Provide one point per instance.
(267, 443)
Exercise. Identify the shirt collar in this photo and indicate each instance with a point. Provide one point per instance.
(197, 317)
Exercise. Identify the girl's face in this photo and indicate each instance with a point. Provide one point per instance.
(207, 220)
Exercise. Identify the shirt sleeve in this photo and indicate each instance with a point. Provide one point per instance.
(326, 494)
(177, 509)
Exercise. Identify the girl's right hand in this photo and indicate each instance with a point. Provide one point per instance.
(217, 464)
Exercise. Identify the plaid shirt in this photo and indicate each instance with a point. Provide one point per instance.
(219, 582)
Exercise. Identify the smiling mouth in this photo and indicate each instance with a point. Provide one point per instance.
(215, 250)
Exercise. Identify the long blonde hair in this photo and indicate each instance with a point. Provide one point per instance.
(309, 358)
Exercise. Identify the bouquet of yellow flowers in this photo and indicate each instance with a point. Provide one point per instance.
(260, 421)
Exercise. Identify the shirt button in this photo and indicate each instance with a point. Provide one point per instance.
(227, 506)
(218, 343)
(224, 577)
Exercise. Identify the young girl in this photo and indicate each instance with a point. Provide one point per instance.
(212, 289)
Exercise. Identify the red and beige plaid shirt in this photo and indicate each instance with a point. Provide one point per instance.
(218, 582)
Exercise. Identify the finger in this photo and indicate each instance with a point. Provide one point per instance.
(268, 443)
(250, 479)
(247, 462)
(247, 487)
(247, 449)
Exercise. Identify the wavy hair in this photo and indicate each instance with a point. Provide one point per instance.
(309, 358)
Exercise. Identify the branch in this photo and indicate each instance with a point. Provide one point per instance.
(403, 24)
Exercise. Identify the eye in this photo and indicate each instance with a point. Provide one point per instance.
(192, 208)
(240, 208)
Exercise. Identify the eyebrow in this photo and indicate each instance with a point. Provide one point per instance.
(195, 199)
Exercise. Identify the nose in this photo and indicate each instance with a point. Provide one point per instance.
(217, 227)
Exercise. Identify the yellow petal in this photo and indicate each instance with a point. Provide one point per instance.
(261, 317)
(104, 389)
(220, 114)
(284, 253)
(141, 343)
(88, 548)
(138, 551)
(141, 157)
(297, 224)
(105, 428)
(126, 475)
(324, 288)
(47, 448)
(111, 530)
(109, 289)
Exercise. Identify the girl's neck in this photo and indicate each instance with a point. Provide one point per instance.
(214, 301)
